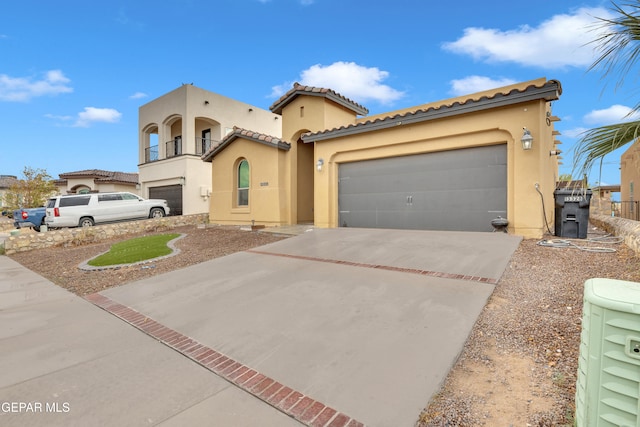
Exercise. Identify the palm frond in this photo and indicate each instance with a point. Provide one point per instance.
(598, 142)
(617, 42)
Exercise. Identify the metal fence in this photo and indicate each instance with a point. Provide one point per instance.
(173, 147)
(627, 209)
(151, 154)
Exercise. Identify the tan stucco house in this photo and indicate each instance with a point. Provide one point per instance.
(96, 181)
(630, 173)
(176, 129)
(448, 165)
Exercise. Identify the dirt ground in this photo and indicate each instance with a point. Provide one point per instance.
(518, 367)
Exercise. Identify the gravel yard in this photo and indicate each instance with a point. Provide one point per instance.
(60, 264)
(519, 364)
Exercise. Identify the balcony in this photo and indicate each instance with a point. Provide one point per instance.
(174, 148)
(203, 145)
(151, 154)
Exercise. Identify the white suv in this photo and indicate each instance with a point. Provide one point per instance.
(85, 210)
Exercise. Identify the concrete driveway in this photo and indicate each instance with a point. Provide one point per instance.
(333, 327)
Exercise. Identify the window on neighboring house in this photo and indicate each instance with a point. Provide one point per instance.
(243, 183)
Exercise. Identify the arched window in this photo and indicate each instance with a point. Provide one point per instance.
(243, 183)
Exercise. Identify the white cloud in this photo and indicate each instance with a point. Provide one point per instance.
(573, 133)
(92, 115)
(472, 84)
(138, 95)
(57, 117)
(614, 114)
(22, 89)
(349, 79)
(563, 40)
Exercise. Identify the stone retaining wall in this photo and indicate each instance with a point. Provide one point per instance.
(7, 226)
(628, 229)
(76, 236)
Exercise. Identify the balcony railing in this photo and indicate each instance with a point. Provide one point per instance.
(174, 147)
(151, 154)
(203, 145)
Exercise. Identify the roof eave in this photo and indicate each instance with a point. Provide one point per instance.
(549, 92)
(277, 108)
(208, 157)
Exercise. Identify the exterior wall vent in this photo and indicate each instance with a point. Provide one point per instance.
(608, 385)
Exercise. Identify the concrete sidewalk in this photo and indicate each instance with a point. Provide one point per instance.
(340, 327)
(67, 362)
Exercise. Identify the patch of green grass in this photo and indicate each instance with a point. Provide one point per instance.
(135, 250)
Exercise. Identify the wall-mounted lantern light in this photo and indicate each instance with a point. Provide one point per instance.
(182, 180)
(527, 139)
(319, 164)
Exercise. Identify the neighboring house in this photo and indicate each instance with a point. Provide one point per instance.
(6, 181)
(630, 181)
(176, 129)
(96, 181)
(601, 202)
(449, 165)
(630, 173)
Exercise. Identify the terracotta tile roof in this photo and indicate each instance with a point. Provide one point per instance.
(85, 173)
(100, 175)
(122, 177)
(7, 181)
(549, 91)
(299, 89)
(245, 134)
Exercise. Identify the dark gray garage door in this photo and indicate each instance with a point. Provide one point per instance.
(459, 190)
(172, 194)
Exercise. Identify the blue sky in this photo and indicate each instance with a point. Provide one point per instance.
(74, 73)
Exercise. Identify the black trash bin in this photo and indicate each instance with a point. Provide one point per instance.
(572, 212)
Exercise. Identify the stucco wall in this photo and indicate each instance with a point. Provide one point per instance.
(196, 173)
(267, 203)
(102, 187)
(488, 127)
(306, 114)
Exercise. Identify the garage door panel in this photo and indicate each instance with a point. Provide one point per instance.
(172, 194)
(454, 190)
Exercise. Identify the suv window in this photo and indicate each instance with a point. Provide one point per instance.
(51, 203)
(74, 201)
(129, 196)
(108, 197)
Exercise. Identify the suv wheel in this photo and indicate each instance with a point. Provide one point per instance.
(85, 221)
(156, 213)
